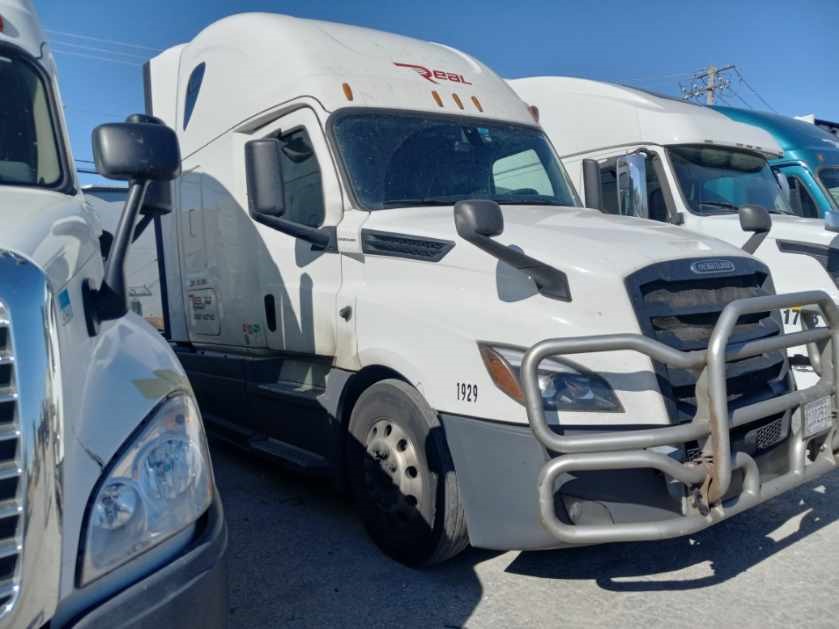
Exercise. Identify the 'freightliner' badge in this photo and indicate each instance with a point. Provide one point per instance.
(705, 267)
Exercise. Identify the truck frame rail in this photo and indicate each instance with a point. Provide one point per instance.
(708, 477)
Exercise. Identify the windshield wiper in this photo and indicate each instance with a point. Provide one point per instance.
(727, 206)
(418, 201)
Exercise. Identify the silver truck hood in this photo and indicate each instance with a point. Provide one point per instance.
(54, 230)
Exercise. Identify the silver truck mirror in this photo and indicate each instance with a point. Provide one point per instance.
(757, 221)
(264, 173)
(632, 185)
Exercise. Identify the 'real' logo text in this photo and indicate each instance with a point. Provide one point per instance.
(704, 267)
(435, 75)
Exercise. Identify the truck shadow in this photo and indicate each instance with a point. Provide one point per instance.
(299, 556)
(708, 558)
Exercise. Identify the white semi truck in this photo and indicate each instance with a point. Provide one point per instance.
(675, 162)
(377, 268)
(109, 516)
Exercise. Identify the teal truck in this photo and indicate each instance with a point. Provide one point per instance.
(809, 165)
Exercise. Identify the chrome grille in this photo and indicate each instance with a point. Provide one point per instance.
(11, 495)
(680, 307)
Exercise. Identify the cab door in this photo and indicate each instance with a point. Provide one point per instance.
(300, 285)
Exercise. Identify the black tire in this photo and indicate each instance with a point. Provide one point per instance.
(415, 516)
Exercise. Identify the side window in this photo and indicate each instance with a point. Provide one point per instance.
(521, 173)
(302, 184)
(609, 183)
(799, 198)
(193, 86)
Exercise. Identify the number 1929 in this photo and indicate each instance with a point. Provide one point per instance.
(467, 392)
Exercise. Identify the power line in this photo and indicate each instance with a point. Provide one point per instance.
(97, 57)
(102, 40)
(753, 90)
(740, 98)
(97, 49)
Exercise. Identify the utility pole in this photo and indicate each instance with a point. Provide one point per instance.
(709, 82)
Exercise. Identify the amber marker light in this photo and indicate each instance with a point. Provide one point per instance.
(502, 373)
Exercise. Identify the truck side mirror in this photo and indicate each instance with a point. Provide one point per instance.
(140, 153)
(479, 217)
(136, 152)
(478, 220)
(592, 184)
(758, 222)
(266, 199)
(632, 185)
(264, 169)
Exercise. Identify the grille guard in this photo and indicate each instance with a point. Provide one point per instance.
(712, 423)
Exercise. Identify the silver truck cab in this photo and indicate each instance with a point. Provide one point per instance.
(109, 514)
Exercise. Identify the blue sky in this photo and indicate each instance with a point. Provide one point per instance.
(786, 50)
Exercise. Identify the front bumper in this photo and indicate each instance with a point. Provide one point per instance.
(191, 591)
(541, 487)
(722, 481)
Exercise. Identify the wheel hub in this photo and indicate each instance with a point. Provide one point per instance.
(392, 470)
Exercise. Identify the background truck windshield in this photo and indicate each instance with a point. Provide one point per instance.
(715, 180)
(396, 160)
(28, 151)
(830, 180)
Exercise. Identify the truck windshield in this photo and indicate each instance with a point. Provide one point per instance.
(28, 149)
(401, 160)
(830, 180)
(716, 181)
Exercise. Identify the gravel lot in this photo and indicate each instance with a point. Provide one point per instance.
(300, 558)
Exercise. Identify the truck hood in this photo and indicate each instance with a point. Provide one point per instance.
(582, 239)
(54, 230)
(784, 227)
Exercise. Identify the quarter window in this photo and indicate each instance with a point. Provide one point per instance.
(192, 89)
(800, 200)
(302, 184)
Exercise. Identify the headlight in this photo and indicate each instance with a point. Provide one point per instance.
(159, 485)
(564, 387)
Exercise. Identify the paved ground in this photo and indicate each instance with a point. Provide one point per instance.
(299, 558)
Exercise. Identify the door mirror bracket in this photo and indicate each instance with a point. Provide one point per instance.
(757, 221)
(478, 220)
(266, 193)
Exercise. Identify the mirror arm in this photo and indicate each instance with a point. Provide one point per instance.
(313, 235)
(754, 241)
(550, 281)
(108, 301)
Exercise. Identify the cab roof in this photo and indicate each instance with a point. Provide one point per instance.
(255, 62)
(582, 115)
(21, 26)
(790, 133)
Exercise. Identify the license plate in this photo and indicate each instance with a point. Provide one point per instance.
(817, 417)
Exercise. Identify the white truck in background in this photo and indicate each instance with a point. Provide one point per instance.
(636, 153)
(109, 516)
(377, 269)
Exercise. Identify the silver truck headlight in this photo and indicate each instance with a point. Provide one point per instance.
(564, 387)
(159, 485)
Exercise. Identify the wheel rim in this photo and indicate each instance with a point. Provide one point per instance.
(392, 472)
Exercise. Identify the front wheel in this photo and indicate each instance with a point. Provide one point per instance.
(402, 476)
